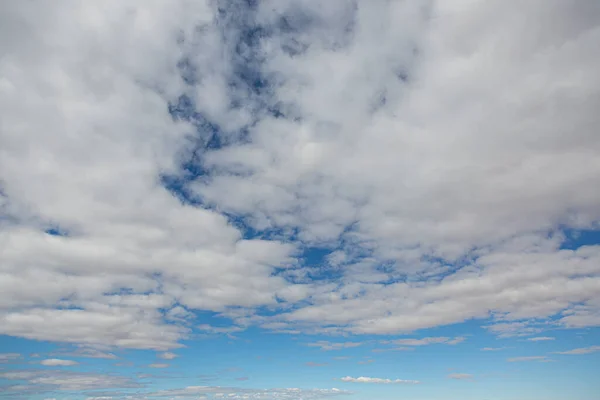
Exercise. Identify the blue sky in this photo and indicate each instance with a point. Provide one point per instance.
(286, 199)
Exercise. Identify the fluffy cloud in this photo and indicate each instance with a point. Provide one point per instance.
(102, 108)
(156, 161)
(364, 379)
(57, 362)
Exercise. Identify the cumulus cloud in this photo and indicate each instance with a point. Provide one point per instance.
(57, 362)
(156, 161)
(364, 379)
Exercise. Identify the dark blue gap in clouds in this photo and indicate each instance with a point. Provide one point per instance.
(248, 90)
(250, 87)
(56, 231)
(188, 71)
(576, 238)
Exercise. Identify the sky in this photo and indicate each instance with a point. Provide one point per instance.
(299, 199)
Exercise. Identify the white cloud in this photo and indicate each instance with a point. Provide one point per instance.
(168, 356)
(540, 339)
(528, 358)
(56, 362)
(327, 346)
(582, 350)
(427, 341)
(364, 379)
(244, 393)
(101, 107)
(461, 376)
(393, 349)
(315, 364)
(6, 357)
(158, 365)
(51, 380)
(93, 353)
(217, 329)
(426, 137)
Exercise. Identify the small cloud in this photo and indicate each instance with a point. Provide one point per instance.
(168, 356)
(366, 362)
(540, 339)
(456, 340)
(341, 358)
(124, 364)
(6, 357)
(314, 364)
(219, 330)
(512, 329)
(327, 346)
(582, 350)
(393, 349)
(219, 392)
(364, 379)
(88, 353)
(493, 348)
(242, 378)
(158, 365)
(461, 377)
(56, 362)
(530, 358)
(427, 341)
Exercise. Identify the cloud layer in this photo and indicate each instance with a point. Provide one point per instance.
(364, 379)
(186, 156)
